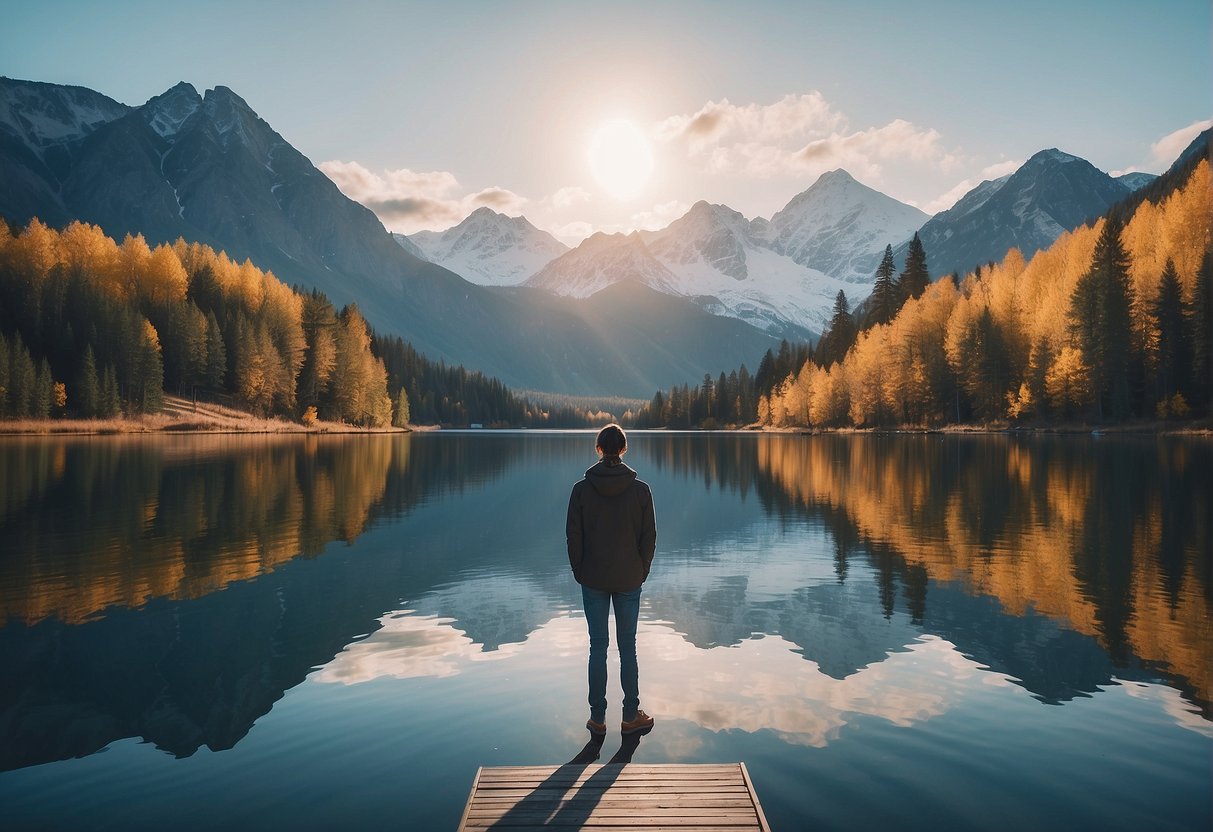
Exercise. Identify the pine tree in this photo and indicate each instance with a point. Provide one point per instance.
(915, 279)
(88, 395)
(840, 335)
(22, 378)
(216, 354)
(1172, 350)
(1101, 322)
(5, 365)
(1201, 322)
(111, 401)
(885, 299)
(44, 392)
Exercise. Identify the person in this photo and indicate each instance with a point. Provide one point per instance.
(612, 535)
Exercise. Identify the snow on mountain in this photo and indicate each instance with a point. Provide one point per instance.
(408, 245)
(167, 112)
(841, 227)
(711, 256)
(488, 248)
(603, 260)
(716, 257)
(1136, 180)
(43, 116)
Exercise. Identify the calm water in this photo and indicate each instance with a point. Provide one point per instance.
(895, 632)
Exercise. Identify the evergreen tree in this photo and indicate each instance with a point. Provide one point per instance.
(5, 365)
(1201, 322)
(44, 391)
(840, 335)
(723, 399)
(111, 401)
(1172, 349)
(765, 379)
(1101, 322)
(885, 299)
(915, 279)
(87, 399)
(216, 354)
(22, 376)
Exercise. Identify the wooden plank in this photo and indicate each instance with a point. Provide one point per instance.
(611, 797)
(762, 818)
(471, 799)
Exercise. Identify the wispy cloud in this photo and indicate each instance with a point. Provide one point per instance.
(408, 201)
(946, 200)
(798, 134)
(1167, 149)
(659, 216)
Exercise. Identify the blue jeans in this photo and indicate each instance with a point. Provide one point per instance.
(627, 612)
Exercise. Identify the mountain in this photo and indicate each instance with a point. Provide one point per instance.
(1135, 180)
(208, 168)
(489, 248)
(38, 124)
(745, 269)
(1051, 193)
(408, 245)
(718, 257)
(841, 227)
(600, 261)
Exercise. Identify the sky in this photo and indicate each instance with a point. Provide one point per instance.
(615, 116)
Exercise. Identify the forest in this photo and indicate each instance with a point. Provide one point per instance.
(93, 328)
(1112, 322)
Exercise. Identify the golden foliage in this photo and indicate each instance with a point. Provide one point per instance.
(897, 372)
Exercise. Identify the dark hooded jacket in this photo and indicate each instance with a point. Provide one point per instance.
(611, 528)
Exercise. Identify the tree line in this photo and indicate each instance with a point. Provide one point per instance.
(1111, 322)
(93, 328)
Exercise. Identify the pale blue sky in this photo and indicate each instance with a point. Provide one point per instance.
(913, 98)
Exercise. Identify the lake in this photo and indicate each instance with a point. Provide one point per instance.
(898, 632)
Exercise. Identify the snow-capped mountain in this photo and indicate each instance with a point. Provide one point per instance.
(717, 257)
(489, 248)
(1053, 192)
(840, 227)
(603, 260)
(1136, 180)
(710, 255)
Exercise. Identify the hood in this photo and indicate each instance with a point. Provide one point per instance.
(610, 480)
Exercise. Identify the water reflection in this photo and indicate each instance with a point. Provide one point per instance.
(175, 589)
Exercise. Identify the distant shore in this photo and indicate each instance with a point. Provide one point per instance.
(182, 416)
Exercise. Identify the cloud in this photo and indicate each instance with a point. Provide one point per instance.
(791, 118)
(946, 200)
(798, 134)
(760, 684)
(1167, 149)
(568, 197)
(408, 201)
(571, 233)
(659, 216)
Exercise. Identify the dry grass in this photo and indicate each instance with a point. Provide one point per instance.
(181, 416)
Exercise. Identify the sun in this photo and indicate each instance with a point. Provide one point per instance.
(621, 158)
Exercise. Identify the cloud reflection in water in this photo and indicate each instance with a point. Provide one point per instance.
(761, 684)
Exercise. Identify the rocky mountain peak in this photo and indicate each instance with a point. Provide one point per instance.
(167, 112)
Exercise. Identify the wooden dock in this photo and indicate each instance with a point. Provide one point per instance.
(614, 797)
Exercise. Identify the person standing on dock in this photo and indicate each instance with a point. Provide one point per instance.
(612, 535)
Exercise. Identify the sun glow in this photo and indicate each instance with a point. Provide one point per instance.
(621, 158)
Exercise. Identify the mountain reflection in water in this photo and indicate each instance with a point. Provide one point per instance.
(176, 588)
